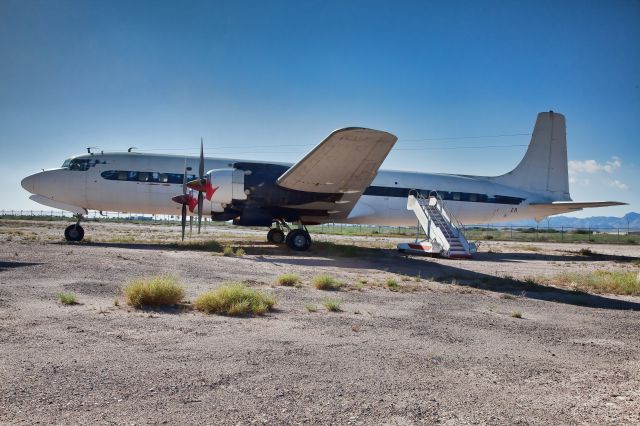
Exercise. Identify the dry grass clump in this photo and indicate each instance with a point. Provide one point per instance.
(326, 282)
(162, 290)
(67, 298)
(311, 308)
(333, 305)
(288, 280)
(234, 299)
(516, 314)
(612, 282)
(229, 252)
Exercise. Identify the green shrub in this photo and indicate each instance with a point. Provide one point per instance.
(326, 282)
(227, 251)
(311, 308)
(288, 280)
(163, 290)
(67, 298)
(333, 305)
(392, 284)
(234, 299)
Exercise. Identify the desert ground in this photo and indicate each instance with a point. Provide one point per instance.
(443, 346)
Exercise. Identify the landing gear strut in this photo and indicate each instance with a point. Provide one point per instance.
(299, 239)
(276, 235)
(74, 232)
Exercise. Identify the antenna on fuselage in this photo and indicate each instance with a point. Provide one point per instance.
(132, 148)
(89, 148)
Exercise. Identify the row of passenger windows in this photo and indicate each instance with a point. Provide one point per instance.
(133, 176)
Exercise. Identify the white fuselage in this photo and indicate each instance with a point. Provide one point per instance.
(473, 200)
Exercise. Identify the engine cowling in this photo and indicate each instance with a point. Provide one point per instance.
(227, 185)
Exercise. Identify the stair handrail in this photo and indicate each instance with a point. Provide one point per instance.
(434, 231)
(455, 223)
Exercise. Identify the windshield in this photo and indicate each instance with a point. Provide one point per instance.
(65, 165)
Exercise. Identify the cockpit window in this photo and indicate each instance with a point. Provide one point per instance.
(81, 164)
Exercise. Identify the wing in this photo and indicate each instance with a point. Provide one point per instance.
(344, 163)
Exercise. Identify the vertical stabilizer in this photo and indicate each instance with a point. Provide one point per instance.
(543, 169)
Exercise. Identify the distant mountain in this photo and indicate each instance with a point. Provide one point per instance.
(632, 219)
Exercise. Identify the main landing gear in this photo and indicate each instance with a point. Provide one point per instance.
(296, 239)
(75, 232)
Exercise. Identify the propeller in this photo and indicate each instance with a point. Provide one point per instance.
(185, 199)
(201, 176)
(202, 185)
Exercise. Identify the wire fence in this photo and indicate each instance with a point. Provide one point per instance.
(595, 234)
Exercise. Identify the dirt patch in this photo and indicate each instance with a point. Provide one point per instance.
(441, 346)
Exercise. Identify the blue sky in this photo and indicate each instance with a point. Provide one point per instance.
(268, 80)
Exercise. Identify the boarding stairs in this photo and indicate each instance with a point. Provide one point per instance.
(444, 233)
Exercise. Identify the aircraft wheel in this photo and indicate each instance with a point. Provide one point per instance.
(275, 236)
(74, 233)
(298, 240)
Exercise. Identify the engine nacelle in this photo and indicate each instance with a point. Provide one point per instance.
(227, 185)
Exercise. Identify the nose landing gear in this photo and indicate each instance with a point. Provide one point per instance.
(75, 232)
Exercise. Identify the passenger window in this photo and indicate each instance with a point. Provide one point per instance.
(132, 175)
(456, 196)
(163, 178)
(143, 177)
(473, 197)
(122, 175)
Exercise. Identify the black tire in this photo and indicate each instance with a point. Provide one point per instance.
(275, 236)
(298, 240)
(74, 233)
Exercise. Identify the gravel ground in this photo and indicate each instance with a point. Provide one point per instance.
(444, 349)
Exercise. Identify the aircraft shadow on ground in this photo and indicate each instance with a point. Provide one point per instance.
(429, 268)
(6, 265)
(327, 254)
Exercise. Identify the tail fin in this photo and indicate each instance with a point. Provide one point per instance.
(544, 168)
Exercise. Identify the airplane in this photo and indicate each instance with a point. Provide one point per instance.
(338, 181)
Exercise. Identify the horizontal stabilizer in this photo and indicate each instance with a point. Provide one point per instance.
(543, 210)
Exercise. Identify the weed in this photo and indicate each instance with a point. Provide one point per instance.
(333, 305)
(240, 252)
(116, 302)
(162, 290)
(588, 252)
(516, 314)
(359, 285)
(613, 282)
(234, 299)
(311, 308)
(67, 298)
(326, 282)
(392, 284)
(507, 296)
(227, 251)
(288, 280)
(210, 245)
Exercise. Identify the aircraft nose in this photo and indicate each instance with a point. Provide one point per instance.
(29, 183)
